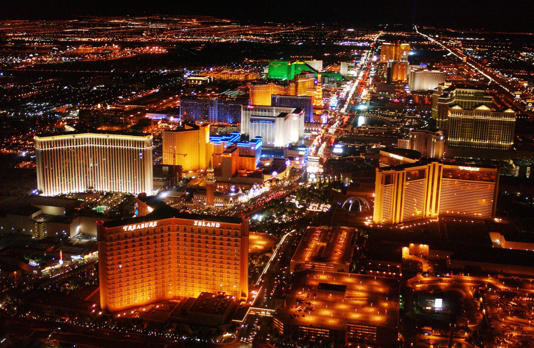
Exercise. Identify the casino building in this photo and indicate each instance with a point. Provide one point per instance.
(168, 254)
(277, 126)
(188, 147)
(394, 51)
(428, 190)
(79, 162)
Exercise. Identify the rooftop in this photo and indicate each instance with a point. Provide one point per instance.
(210, 303)
(333, 300)
(52, 136)
(324, 247)
(166, 212)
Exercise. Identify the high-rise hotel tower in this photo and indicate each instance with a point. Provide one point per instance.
(418, 191)
(165, 255)
(70, 163)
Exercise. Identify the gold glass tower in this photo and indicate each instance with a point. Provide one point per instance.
(394, 51)
(92, 161)
(419, 191)
(188, 147)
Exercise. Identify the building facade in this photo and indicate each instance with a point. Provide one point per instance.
(445, 97)
(284, 70)
(428, 143)
(425, 80)
(394, 51)
(420, 191)
(248, 152)
(71, 163)
(188, 147)
(303, 102)
(209, 110)
(481, 128)
(260, 93)
(397, 71)
(305, 84)
(152, 258)
(277, 126)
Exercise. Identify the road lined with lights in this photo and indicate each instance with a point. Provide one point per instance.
(356, 92)
(466, 59)
(275, 253)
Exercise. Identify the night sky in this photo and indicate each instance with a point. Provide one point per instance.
(516, 15)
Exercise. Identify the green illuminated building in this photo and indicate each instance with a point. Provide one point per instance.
(284, 70)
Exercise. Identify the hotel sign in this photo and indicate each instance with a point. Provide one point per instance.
(203, 223)
(135, 227)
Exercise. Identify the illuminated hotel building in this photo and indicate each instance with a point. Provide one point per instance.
(424, 80)
(157, 257)
(247, 155)
(188, 147)
(303, 102)
(446, 96)
(277, 126)
(284, 70)
(397, 71)
(428, 143)
(418, 191)
(394, 51)
(209, 110)
(92, 161)
(305, 84)
(261, 93)
(481, 128)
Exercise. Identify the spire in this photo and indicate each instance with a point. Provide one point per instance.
(210, 177)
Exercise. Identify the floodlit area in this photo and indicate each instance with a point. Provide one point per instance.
(333, 300)
(325, 248)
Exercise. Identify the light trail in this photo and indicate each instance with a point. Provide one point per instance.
(268, 265)
(491, 79)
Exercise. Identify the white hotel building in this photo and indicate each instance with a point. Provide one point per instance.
(278, 126)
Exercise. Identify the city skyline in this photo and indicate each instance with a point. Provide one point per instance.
(292, 174)
(493, 15)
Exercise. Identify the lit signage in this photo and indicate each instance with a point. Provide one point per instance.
(337, 149)
(471, 169)
(135, 227)
(203, 223)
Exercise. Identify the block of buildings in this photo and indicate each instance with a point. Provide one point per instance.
(394, 51)
(447, 96)
(481, 128)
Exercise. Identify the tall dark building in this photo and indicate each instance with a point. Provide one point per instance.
(302, 102)
(210, 110)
